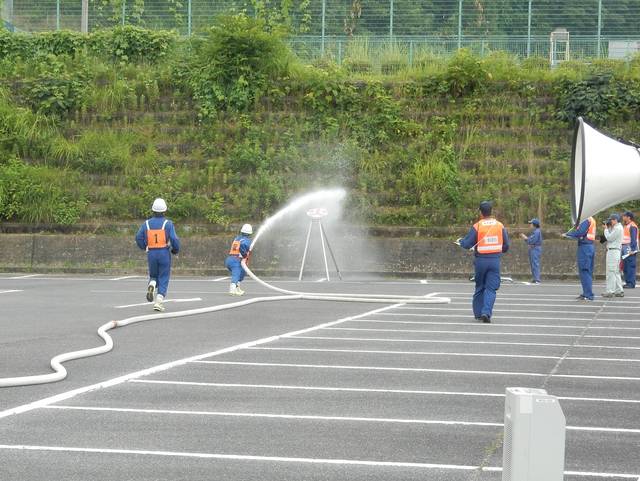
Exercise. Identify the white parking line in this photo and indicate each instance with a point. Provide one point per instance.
(193, 299)
(163, 367)
(549, 326)
(27, 276)
(441, 422)
(281, 459)
(437, 353)
(7, 291)
(418, 369)
(125, 277)
(366, 390)
(220, 279)
(445, 341)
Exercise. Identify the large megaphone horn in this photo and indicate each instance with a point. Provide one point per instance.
(604, 172)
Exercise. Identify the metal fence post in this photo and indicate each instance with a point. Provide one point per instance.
(410, 53)
(529, 32)
(124, 11)
(189, 18)
(339, 52)
(84, 17)
(459, 24)
(324, 11)
(599, 24)
(391, 19)
(57, 14)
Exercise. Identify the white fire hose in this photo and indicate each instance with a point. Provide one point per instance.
(61, 373)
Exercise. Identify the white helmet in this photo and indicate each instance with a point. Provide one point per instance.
(159, 205)
(246, 229)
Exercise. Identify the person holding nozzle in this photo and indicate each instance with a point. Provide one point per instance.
(613, 238)
(534, 241)
(629, 250)
(585, 234)
(489, 239)
(240, 249)
(158, 237)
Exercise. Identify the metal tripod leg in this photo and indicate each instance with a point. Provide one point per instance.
(306, 247)
(331, 251)
(324, 251)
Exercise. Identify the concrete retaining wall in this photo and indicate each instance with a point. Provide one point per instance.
(416, 256)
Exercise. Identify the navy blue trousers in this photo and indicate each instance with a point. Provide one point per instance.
(487, 283)
(535, 253)
(160, 268)
(237, 272)
(629, 267)
(586, 258)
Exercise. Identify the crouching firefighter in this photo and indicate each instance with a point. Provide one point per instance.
(157, 236)
(240, 249)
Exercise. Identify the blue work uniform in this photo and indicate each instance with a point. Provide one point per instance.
(487, 272)
(239, 250)
(629, 263)
(159, 249)
(585, 257)
(534, 241)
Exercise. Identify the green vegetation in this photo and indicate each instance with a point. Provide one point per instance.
(230, 125)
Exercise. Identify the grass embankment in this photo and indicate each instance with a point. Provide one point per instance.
(229, 126)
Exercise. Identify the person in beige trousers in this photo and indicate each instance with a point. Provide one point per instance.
(613, 235)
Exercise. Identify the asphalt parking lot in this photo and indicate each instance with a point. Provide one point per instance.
(309, 390)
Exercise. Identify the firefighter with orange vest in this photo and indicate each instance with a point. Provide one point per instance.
(629, 249)
(489, 240)
(240, 249)
(585, 234)
(157, 236)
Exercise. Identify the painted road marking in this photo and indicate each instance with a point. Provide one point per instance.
(11, 290)
(125, 277)
(193, 299)
(440, 422)
(281, 459)
(445, 341)
(220, 279)
(417, 369)
(169, 365)
(436, 353)
(550, 326)
(27, 276)
(366, 390)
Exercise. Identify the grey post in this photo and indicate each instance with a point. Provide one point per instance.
(324, 11)
(459, 24)
(599, 24)
(529, 32)
(189, 18)
(84, 19)
(57, 14)
(124, 11)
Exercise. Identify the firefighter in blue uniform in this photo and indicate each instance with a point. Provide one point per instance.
(534, 242)
(157, 236)
(489, 240)
(240, 249)
(585, 234)
(629, 249)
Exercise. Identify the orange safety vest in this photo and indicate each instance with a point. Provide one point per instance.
(157, 238)
(235, 248)
(626, 236)
(489, 236)
(591, 233)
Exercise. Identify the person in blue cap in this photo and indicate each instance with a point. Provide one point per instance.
(488, 239)
(585, 234)
(629, 250)
(534, 241)
(158, 237)
(240, 249)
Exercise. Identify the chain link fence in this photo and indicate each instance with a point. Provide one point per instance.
(407, 30)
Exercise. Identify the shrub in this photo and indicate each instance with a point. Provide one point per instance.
(132, 44)
(465, 74)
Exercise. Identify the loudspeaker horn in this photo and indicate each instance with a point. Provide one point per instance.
(604, 172)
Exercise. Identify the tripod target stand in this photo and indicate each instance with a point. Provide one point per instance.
(316, 216)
